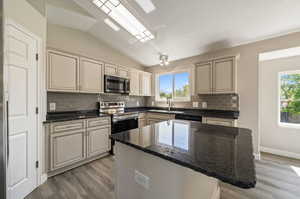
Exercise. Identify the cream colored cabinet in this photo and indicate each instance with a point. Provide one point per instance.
(216, 76)
(62, 71)
(142, 120)
(67, 148)
(98, 141)
(76, 142)
(111, 69)
(135, 82)
(153, 118)
(145, 84)
(123, 72)
(219, 121)
(91, 76)
(203, 81)
(224, 73)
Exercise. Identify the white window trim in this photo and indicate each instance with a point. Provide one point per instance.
(187, 99)
(283, 124)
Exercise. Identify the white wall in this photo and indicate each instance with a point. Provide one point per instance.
(274, 137)
(247, 74)
(82, 43)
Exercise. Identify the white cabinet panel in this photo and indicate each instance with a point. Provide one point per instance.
(145, 84)
(111, 69)
(91, 76)
(62, 71)
(134, 82)
(123, 72)
(98, 141)
(203, 83)
(224, 76)
(219, 121)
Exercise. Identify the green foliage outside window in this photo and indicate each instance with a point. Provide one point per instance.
(290, 93)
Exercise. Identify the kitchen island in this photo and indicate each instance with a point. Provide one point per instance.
(180, 159)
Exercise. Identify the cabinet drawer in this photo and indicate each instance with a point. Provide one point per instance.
(68, 126)
(161, 116)
(219, 121)
(98, 122)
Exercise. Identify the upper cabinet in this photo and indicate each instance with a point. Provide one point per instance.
(111, 69)
(216, 76)
(224, 73)
(91, 76)
(118, 71)
(62, 71)
(203, 82)
(134, 82)
(145, 84)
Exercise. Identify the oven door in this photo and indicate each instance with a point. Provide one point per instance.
(114, 84)
(119, 125)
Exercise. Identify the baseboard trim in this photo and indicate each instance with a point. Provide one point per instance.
(280, 152)
(44, 178)
(256, 156)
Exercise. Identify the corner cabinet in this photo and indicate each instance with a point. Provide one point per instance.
(62, 71)
(90, 76)
(216, 76)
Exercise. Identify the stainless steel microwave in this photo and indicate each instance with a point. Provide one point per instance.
(114, 84)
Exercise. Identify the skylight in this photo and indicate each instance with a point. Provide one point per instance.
(123, 16)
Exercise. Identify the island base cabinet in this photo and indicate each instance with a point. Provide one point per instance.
(98, 141)
(67, 149)
(139, 175)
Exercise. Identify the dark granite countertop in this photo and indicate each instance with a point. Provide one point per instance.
(225, 153)
(72, 115)
(229, 114)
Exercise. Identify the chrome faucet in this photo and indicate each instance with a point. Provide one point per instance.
(169, 104)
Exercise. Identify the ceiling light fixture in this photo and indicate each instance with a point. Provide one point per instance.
(118, 12)
(111, 24)
(146, 5)
(163, 60)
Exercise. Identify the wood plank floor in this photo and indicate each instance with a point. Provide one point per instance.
(276, 179)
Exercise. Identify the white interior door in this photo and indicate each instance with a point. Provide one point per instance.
(21, 74)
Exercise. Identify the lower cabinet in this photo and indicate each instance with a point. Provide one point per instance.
(67, 148)
(153, 118)
(97, 141)
(76, 142)
(219, 121)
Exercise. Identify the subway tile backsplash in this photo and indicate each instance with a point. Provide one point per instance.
(213, 101)
(81, 101)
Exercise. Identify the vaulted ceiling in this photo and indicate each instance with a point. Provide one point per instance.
(183, 28)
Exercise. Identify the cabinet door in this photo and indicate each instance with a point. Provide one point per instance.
(219, 121)
(62, 71)
(224, 76)
(203, 83)
(123, 72)
(67, 148)
(142, 123)
(98, 141)
(91, 76)
(134, 82)
(111, 70)
(145, 84)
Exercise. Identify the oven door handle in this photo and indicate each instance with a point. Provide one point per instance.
(124, 118)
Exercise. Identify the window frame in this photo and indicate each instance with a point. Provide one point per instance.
(182, 99)
(284, 124)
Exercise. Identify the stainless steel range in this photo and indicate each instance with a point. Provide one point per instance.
(121, 121)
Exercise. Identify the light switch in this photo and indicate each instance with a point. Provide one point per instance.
(195, 104)
(137, 103)
(204, 105)
(52, 106)
(153, 103)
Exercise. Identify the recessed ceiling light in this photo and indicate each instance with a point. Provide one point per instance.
(119, 13)
(146, 5)
(111, 24)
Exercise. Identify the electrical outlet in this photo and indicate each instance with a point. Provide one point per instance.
(137, 103)
(52, 106)
(234, 97)
(204, 105)
(141, 179)
(195, 104)
(153, 103)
